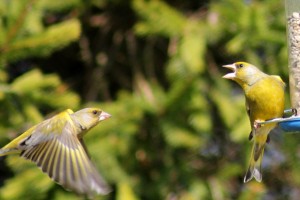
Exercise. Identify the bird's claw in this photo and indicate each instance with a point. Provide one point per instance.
(257, 124)
(291, 110)
(294, 111)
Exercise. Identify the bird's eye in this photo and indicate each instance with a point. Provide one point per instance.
(240, 65)
(95, 112)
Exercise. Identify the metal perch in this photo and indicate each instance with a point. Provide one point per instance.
(289, 124)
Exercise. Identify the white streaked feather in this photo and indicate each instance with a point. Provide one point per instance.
(257, 175)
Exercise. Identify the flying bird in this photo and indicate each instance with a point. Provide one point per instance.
(57, 147)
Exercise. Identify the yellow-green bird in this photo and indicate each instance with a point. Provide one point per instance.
(56, 146)
(264, 96)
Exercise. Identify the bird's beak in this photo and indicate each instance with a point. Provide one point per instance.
(230, 75)
(104, 116)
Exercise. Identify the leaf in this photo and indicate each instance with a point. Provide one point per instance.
(158, 18)
(179, 137)
(53, 38)
(192, 47)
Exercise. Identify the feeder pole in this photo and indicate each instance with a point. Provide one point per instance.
(293, 31)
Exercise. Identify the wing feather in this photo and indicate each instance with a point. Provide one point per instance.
(34, 154)
(65, 160)
(52, 159)
(47, 158)
(56, 164)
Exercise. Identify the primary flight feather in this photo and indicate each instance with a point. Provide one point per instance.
(56, 146)
(264, 96)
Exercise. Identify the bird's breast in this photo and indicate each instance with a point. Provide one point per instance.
(265, 99)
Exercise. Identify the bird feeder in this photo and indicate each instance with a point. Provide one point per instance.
(293, 33)
(292, 123)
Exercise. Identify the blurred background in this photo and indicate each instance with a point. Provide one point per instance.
(179, 131)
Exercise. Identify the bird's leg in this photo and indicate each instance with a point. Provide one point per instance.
(257, 124)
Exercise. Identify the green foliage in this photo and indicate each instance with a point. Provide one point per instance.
(24, 34)
(178, 130)
(259, 26)
(44, 43)
(159, 18)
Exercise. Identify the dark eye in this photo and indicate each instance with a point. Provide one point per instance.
(95, 112)
(240, 65)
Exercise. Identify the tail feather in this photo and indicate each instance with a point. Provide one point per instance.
(257, 151)
(254, 169)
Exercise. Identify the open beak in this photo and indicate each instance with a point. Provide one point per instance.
(230, 75)
(104, 116)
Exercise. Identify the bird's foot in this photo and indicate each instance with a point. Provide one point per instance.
(257, 124)
(294, 111)
(290, 111)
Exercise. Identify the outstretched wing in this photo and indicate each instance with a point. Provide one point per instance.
(64, 159)
(39, 133)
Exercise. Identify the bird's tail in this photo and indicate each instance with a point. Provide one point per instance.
(254, 169)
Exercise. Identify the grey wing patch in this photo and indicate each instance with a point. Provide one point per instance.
(64, 159)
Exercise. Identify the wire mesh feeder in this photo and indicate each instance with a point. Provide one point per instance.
(293, 30)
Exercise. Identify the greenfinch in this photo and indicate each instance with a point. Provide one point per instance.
(57, 147)
(264, 95)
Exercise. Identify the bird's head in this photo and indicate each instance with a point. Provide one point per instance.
(243, 73)
(89, 117)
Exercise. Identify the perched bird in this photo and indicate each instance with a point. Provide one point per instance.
(264, 96)
(56, 146)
